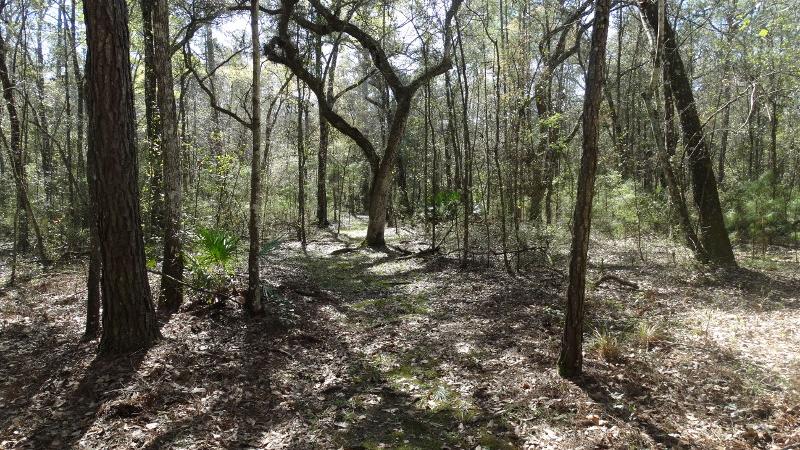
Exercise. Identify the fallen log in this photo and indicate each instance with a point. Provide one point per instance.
(623, 282)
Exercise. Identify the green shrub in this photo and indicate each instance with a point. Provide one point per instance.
(623, 209)
(217, 247)
(211, 263)
(761, 212)
(447, 206)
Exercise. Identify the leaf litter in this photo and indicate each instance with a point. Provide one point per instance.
(368, 349)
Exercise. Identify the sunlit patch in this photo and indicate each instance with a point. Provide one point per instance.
(464, 348)
(395, 267)
(767, 339)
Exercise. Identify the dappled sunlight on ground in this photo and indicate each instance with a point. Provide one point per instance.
(768, 339)
(384, 349)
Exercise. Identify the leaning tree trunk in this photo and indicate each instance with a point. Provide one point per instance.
(382, 176)
(666, 138)
(713, 235)
(570, 362)
(129, 320)
(171, 287)
(673, 187)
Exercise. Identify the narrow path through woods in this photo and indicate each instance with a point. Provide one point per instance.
(369, 349)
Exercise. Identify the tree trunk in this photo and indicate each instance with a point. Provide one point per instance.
(301, 168)
(713, 235)
(129, 320)
(93, 278)
(673, 187)
(154, 159)
(45, 146)
(461, 72)
(215, 137)
(171, 287)
(382, 176)
(80, 104)
(324, 135)
(253, 299)
(570, 362)
(378, 205)
(17, 162)
(723, 145)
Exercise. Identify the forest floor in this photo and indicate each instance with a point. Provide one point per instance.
(367, 349)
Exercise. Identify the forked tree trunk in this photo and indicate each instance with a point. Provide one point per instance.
(570, 362)
(129, 320)
(281, 49)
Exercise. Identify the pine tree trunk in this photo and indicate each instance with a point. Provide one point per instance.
(129, 320)
(93, 278)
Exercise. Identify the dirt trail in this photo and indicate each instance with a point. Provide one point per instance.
(369, 349)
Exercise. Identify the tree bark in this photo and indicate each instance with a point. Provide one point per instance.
(171, 295)
(301, 168)
(129, 320)
(94, 275)
(713, 235)
(570, 362)
(253, 298)
(673, 187)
